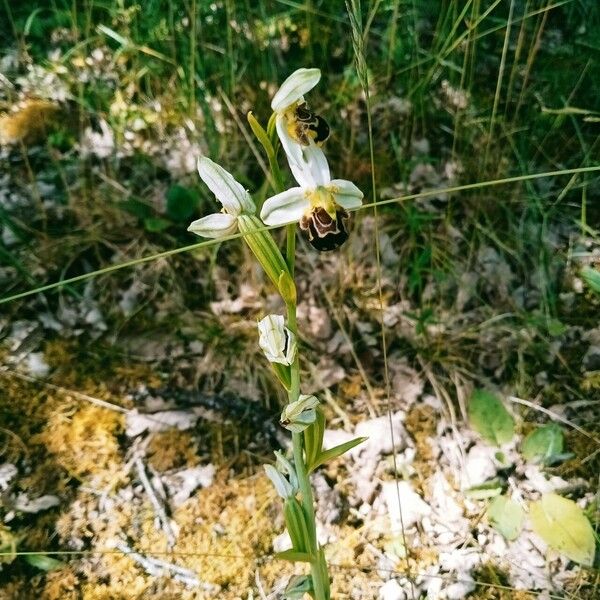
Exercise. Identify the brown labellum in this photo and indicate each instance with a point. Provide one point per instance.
(323, 232)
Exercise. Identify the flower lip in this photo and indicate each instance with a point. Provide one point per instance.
(294, 87)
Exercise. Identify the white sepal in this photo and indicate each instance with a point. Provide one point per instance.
(276, 340)
(294, 87)
(286, 207)
(231, 194)
(214, 226)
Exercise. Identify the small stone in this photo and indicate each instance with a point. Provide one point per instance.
(391, 590)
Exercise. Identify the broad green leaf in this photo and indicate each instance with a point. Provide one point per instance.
(335, 452)
(506, 516)
(181, 203)
(489, 418)
(564, 527)
(592, 278)
(43, 562)
(543, 444)
(293, 556)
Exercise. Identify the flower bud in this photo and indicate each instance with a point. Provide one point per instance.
(282, 485)
(298, 415)
(277, 341)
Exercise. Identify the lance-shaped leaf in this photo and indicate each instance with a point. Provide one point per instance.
(564, 527)
(489, 418)
(295, 521)
(335, 452)
(313, 438)
(293, 556)
(592, 278)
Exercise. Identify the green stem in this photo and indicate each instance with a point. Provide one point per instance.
(317, 573)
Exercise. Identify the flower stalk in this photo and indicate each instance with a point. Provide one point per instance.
(320, 206)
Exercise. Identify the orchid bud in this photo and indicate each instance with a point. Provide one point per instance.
(282, 485)
(277, 341)
(298, 415)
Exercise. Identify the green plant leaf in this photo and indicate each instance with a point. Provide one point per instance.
(313, 438)
(506, 516)
(298, 586)
(543, 444)
(487, 489)
(564, 527)
(137, 208)
(293, 556)
(156, 224)
(181, 203)
(335, 452)
(43, 562)
(489, 418)
(592, 278)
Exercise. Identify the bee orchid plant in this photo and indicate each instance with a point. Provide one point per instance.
(320, 205)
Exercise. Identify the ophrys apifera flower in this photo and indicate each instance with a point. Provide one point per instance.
(238, 213)
(296, 124)
(320, 204)
(276, 340)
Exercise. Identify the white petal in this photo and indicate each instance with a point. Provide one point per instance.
(214, 226)
(226, 189)
(312, 171)
(284, 208)
(346, 194)
(292, 149)
(294, 87)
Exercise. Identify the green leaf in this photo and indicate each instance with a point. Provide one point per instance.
(313, 438)
(293, 556)
(487, 489)
(283, 374)
(156, 224)
(543, 444)
(295, 522)
(489, 418)
(181, 203)
(592, 278)
(506, 516)
(335, 452)
(298, 586)
(43, 562)
(564, 527)
(137, 208)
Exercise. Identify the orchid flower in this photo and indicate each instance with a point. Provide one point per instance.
(231, 194)
(298, 415)
(277, 341)
(238, 212)
(320, 204)
(283, 476)
(296, 125)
